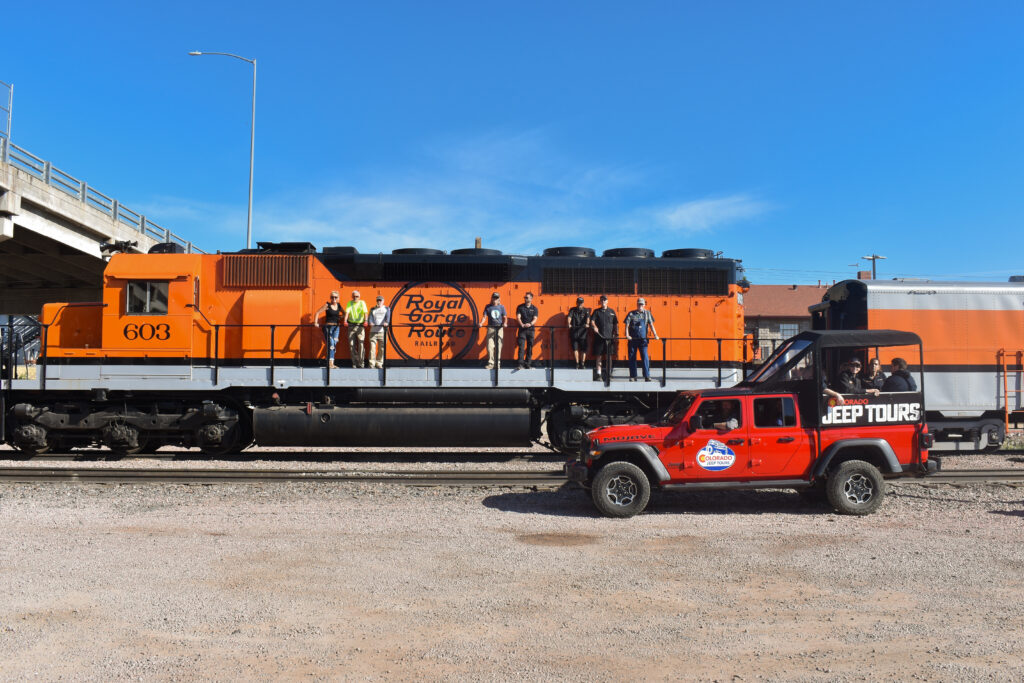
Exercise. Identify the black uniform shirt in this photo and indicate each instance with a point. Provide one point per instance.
(578, 317)
(606, 320)
(527, 312)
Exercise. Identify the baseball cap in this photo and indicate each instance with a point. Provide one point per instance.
(380, 298)
(495, 295)
(579, 299)
(641, 300)
(603, 298)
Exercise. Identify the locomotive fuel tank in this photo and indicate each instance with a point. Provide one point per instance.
(391, 425)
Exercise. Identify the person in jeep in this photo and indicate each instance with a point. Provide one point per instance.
(849, 379)
(900, 379)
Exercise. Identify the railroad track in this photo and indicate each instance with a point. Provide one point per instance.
(118, 475)
(969, 477)
(528, 478)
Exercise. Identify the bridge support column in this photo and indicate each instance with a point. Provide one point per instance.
(10, 204)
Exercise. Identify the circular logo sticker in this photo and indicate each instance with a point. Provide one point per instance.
(422, 313)
(716, 456)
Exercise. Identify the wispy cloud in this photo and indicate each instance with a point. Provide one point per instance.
(701, 215)
(510, 189)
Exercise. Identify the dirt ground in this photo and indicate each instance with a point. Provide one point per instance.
(318, 582)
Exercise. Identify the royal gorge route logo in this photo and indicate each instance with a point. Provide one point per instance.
(424, 312)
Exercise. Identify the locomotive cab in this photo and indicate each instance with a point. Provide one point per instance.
(146, 311)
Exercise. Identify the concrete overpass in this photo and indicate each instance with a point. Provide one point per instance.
(51, 229)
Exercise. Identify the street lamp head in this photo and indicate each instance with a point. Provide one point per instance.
(195, 53)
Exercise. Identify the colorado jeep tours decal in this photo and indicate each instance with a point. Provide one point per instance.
(715, 456)
(868, 412)
(422, 313)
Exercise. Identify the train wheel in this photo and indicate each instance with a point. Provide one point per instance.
(33, 439)
(124, 439)
(566, 432)
(219, 438)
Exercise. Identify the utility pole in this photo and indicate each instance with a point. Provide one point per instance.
(874, 260)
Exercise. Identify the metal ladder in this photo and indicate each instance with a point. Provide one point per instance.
(1010, 361)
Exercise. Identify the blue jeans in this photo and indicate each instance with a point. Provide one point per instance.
(331, 333)
(641, 346)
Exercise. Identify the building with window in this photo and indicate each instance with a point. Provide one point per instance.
(777, 312)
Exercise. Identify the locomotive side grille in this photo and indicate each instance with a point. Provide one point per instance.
(693, 282)
(588, 281)
(446, 272)
(266, 271)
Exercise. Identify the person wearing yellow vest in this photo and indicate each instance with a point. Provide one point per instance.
(355, 321)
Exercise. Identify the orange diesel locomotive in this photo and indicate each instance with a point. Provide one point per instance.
(220, 351)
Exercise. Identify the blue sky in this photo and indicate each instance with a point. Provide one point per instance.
(797, 136)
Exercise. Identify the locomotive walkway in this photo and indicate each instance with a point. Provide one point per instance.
(51, 228)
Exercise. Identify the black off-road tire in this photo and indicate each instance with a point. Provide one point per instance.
(620, 489)
(855, 488)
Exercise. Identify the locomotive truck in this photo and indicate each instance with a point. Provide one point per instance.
(777, 429)
(219, 351)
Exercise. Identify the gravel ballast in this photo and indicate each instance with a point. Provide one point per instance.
(326, 581)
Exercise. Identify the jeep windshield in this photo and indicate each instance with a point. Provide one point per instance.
(677, 411)
(775, 368)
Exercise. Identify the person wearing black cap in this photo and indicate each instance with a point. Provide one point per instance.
(495, 318)
(637, 323)
(579, 324)
(605, 324)
(526, 316)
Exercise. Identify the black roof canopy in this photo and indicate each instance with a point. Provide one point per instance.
(829, 339)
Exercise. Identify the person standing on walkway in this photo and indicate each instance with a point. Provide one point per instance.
(332, 325)
(526, 315)
(496, 319)
(605, 324)
(355, 321)
(380, 320)
(579, 325)
(637, 324)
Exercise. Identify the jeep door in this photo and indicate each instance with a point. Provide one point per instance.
(779, 445)
(712, 452)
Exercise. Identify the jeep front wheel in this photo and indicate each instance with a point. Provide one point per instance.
(855, 488)
(620, 489)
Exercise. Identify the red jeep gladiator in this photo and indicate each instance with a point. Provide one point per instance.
(786, 426)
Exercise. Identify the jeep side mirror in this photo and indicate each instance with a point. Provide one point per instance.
(696, 423)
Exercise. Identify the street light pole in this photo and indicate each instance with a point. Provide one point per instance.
(252, 134)
(874, 260)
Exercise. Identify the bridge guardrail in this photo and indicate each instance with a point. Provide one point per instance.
(89, 196)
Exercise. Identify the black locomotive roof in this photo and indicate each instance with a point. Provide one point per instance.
(558, 273)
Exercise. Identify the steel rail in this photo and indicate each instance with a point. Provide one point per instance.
(966, 477)
(116, 475)
(552, 478)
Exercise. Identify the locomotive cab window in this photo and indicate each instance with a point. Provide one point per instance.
(146, 298)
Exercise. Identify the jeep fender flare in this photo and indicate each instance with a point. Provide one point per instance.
(880, 445)
(647, 452)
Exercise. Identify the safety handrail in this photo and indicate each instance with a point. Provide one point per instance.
(443, 333)
(54, 177)
(441, 336)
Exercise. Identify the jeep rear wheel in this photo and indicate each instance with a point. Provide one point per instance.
(620, 489)
(855, 488)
